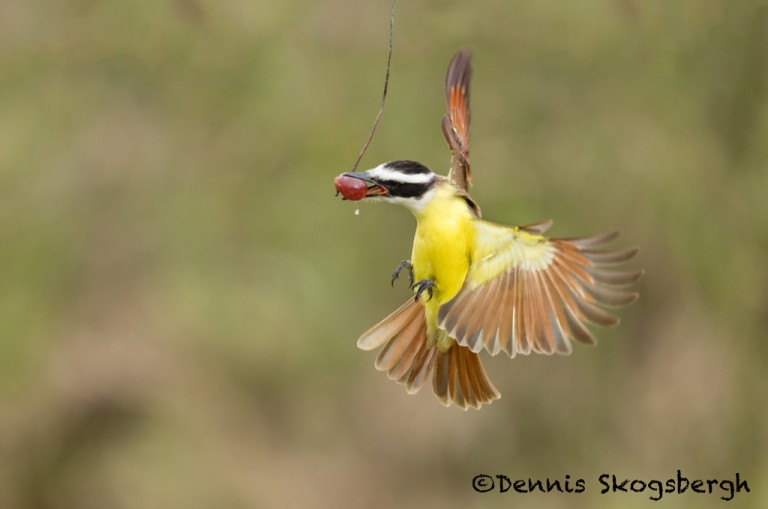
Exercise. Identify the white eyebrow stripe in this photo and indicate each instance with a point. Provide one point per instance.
(381, 172)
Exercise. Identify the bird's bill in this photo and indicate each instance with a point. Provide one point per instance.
(352, 180)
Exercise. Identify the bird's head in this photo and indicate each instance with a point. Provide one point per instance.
(407, 183)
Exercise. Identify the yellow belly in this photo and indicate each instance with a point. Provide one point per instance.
(441, 253)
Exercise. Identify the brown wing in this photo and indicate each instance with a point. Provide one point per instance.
(456, 122)
(459, 378)
(405, 356)
(525, 292)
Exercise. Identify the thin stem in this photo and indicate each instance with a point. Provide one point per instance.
(386, 86)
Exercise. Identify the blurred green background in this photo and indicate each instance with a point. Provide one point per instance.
(181, 293)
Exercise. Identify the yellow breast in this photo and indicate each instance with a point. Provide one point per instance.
(442, 250)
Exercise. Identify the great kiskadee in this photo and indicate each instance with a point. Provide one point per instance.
(480, 285)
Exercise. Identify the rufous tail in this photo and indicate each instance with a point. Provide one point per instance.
(459, 378)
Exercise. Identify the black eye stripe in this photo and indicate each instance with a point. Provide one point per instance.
(412, 190)
(406, 190)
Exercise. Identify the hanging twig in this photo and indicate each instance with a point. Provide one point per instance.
(386, 85)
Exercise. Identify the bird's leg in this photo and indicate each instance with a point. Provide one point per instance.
(422, 286)
(404, 264)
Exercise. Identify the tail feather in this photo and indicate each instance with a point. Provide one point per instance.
(460, 379)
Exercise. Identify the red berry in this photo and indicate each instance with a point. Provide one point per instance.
(351, 188)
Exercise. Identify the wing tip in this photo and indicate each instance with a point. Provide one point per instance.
(538, 228)
(589, 241)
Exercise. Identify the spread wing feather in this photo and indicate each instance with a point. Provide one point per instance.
(525, 292)
(459, 378)
(405, 356)
(455, 123)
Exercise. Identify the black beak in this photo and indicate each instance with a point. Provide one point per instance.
(374, 188)
(359, 175)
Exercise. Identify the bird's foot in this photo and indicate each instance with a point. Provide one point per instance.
(425, 285)
(405, 264)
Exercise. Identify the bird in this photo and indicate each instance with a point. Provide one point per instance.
(479, 285)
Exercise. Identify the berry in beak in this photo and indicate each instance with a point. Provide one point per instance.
(355, 186)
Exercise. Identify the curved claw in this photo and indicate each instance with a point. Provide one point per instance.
(404, 264)
(425, 285)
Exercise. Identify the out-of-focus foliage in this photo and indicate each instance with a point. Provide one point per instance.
(180, 292)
